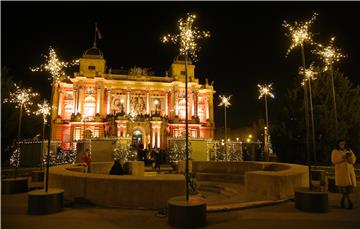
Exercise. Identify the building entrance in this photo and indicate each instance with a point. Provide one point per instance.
(137, 138)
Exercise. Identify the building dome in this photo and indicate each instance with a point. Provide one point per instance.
(181, 59)
(94, 53)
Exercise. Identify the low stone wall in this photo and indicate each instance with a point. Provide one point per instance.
(276, 185)
(262, 180)
(127, 191)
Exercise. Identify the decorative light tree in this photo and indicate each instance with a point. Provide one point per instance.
(225, 101)
(187, 41)
(23, 99)
(308, 75)
(300, 35)
(330, 55)
(56, 69)
(265, 91)
(44, 110)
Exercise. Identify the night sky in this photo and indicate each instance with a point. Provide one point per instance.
(247, 44)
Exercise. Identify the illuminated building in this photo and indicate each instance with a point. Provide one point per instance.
(97, 102)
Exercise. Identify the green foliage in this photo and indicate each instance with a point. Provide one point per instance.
(288, 132)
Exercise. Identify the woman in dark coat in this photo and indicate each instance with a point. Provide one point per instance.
(117, 168)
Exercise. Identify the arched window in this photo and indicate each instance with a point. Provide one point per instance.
(89, 106)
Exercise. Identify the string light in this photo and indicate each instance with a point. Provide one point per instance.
(265, 90)
(225, 101)
(22, 97)
(54, 66)
(299, 32)
(44, 110)
(329, 54)
(187, 37)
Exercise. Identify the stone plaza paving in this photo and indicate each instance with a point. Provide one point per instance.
(282, 215)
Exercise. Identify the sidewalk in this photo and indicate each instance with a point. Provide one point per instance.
(282, 215)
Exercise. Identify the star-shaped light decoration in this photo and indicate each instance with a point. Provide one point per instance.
(54, 66)
(187, 37)
(299, 32)
(308, 74)
(329, 54)
(22, 98)
(44, 110)
(265, 90)
(225, 101)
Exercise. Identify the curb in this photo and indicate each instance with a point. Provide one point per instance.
(243, 205)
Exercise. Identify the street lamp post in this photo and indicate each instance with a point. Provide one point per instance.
(265, 91)
(44, 110)
(187, 40)
(56, 69)
(300, 34)
(330, 55)
(23, 99)
(225, 101)
(309, 74)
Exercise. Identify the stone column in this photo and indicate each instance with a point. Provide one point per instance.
(98, 99)
(211, 107)
(147, 102)
(172, 104)
(74, 100)
(82, 99)
(196, 103)
(77, 99)
(191, 104)
(176, 102)
(55, 102)
(166, 102)
(60, 103)
(128, 102)
(108, 101)
(101, 100)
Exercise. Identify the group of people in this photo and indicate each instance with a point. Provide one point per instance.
(150, 157)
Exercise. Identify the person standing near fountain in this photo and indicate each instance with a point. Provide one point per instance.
(85, 158)
(117, 168)
(345, 178)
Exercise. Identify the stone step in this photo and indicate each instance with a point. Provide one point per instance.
(211, 188)
(222, 177)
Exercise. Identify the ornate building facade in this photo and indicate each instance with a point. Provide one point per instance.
(97, 102)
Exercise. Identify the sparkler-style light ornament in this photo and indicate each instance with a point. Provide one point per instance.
(225, 101)
(299, 32)
(44, 110)
(23, 99)
(265, 91)
(56, 69)
(187, 40)
(329, 54)
(308, 74)
(54, 66)
(188, 36)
